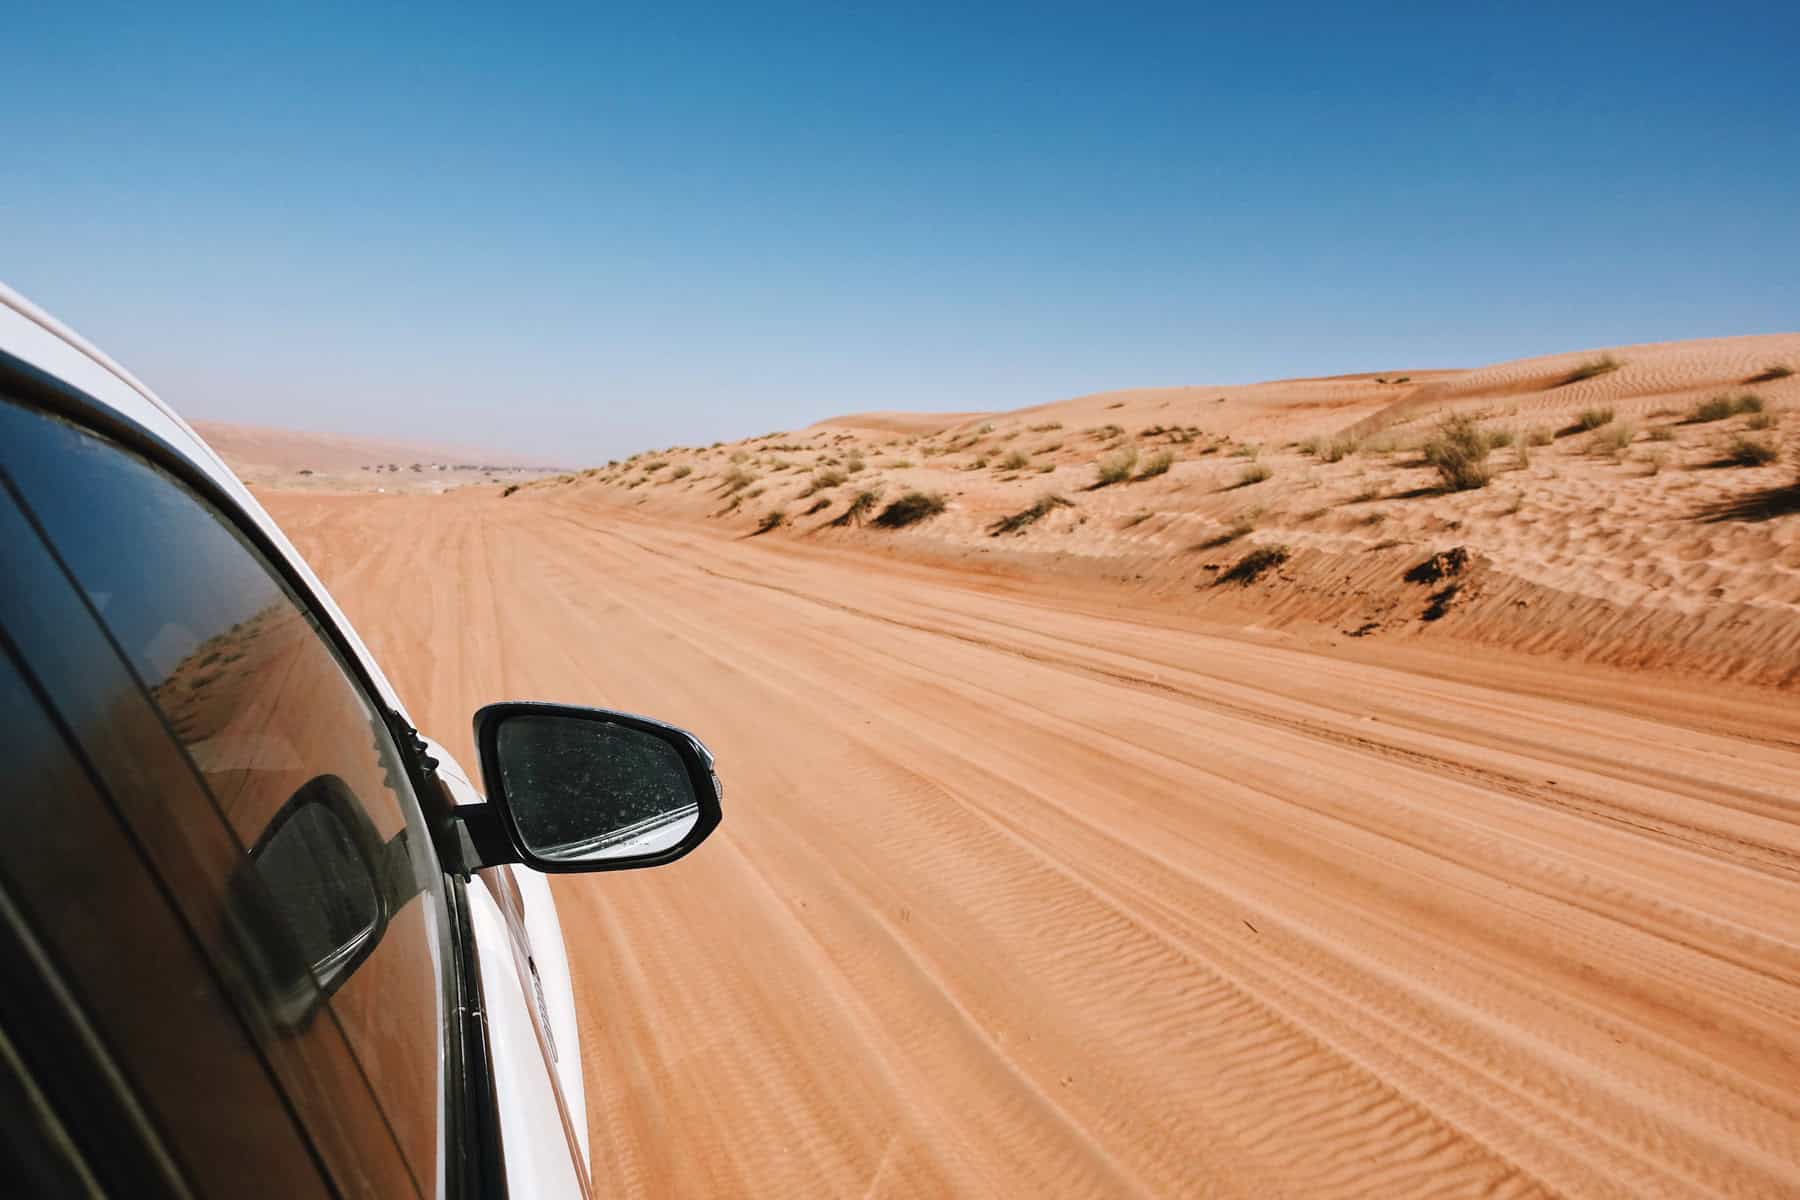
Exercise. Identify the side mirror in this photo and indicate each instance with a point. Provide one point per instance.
(585, 789)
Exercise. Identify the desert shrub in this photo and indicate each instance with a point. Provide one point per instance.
(681, 472)
(910, 509)
(1612, 439)
(1761, 420)
(508, 490)
(1117, 468)
(1459, 453)
(1662, 433)
(901, 464)
(1656, 460)
(1715, 409)
(1018, 522)
(1604, 365)
(738, 456)
(1498, 438)
(819, 505)
(1339, 448)
(1016, 461)
(1106, 433)
(1046, 427)
(655, 466)
(860, 506)
(823, 480)
(1252, 475)
(1045, 468)
(771, 520)
(1254, 565)
(1771, 373)
(1048, 448)
(1750, 452)
(1156, 464)
(1247, 450)
(1543, 435)
(1594, 418)
(1330, 450)
(737, 479)
(853, 464)
(1749, 402)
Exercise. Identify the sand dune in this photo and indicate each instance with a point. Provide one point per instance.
(1047, 886)
(1634, 543)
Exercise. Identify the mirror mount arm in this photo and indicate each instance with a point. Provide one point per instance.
(478, 839)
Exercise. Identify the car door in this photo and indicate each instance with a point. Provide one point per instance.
(230, 808)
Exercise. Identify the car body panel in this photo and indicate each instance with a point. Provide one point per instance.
(542, 984)
(539, 1161)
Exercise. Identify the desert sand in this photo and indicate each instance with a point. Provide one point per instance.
(1052, 866)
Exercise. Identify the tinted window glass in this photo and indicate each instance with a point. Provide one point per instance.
(266, 711)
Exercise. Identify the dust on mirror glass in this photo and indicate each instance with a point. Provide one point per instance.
(583, 788)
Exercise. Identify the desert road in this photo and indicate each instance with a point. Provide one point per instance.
(1017, 897)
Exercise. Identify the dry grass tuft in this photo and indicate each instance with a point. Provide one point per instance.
(1025, 518)
(1156, 464)
(1254, 565)
(1459, 453)
(1117, 468)
(1718, 408)
(1613, 439)
(861, 505)
(1750, 452)
(910, 509)
(1606, 364)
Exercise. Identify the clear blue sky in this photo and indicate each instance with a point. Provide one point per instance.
(587, 231)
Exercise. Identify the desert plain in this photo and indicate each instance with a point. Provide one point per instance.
(1173, 792)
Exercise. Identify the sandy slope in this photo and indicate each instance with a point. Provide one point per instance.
(1633, 544)
(1053, 889)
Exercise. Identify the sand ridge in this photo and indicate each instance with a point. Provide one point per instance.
(1616, 528)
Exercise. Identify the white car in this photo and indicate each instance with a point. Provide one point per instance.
(258, 935)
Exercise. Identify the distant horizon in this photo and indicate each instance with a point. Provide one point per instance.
(577, 233)
(543, 460)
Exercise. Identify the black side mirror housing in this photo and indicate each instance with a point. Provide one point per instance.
(572, 789)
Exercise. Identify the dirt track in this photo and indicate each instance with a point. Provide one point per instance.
(1023, 897)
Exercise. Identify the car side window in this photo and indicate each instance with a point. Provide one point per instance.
(335, 896)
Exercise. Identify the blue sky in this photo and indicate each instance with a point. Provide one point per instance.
(585, 231)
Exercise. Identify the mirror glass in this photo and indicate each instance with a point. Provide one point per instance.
(584, 788)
